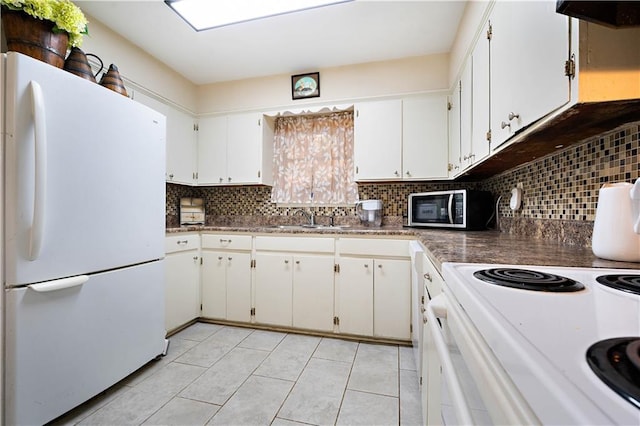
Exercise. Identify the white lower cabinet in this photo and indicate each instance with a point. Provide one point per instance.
(354, 298)
(392, 298)
(313, 295)
(226, 277)
(373, 295)
(431, 367)
(294, 282)
(274, 284)
(358, 286)
(226, 285)
(182, 280)
(294, 290)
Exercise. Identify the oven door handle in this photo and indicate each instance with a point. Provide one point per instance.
(437, 308)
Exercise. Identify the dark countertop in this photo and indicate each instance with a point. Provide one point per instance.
(443, 245)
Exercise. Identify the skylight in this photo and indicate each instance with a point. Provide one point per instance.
(207, 14)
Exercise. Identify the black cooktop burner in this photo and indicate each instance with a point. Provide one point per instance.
(628, 283)
(528, 280)
(617, 363)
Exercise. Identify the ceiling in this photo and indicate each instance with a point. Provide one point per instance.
(342, 34)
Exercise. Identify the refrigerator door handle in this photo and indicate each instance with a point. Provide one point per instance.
(59, 284)
(40, 170)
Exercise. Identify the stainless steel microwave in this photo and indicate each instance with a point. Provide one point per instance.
(460, 208)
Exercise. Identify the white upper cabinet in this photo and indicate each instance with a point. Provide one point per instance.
(455, 159)
(181, 143)
(212, 150)
(473, 88)
(401, 139)
(480, 102)
(466, 95)
(246, 158)
(235, 149)
(378, 140)
(529, 46)
(424, 137)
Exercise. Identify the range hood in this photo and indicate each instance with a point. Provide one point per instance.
(614, 14)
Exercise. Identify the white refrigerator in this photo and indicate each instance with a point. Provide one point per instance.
(84, 201)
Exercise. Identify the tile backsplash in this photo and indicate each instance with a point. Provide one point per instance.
(560, 191)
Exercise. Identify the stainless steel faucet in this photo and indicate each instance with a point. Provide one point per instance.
(308, 214)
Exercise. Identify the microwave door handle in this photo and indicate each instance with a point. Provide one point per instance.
(450, 208)
(435, 309)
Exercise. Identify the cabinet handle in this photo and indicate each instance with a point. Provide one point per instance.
(513, 115)
(219, 257)
(396, 173)
(221, 180)
(229, 179)
(195, 257)
(380, 266)
(427, 277)
(171, 176)
(297, 262)
(222, 241)
(408, 174)
(366, 265)
(182, 242)
(503, 125)
(286, 261)
(230, 258)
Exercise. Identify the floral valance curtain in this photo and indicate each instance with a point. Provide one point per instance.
(313, 160)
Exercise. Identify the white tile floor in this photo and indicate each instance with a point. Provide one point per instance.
(222, 375)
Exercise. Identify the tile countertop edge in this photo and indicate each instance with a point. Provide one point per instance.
(442, 245)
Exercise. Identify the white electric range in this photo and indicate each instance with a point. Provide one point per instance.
(541, 341)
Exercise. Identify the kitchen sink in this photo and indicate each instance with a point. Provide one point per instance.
(307, 226)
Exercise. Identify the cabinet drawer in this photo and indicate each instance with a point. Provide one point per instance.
(181, 242)
(302, 244)
(226, 241)
(373, 247)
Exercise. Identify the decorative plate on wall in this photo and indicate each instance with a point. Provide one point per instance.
(305, 85)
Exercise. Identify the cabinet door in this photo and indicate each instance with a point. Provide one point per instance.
(455, 160)
(214, 288)
(273, 289)
(313, 292)
(239, 287)
(378, 140)
(480, 99)
(354, 296)
(529, 45)
(424, 137)
(181, 149)
(212, 150)
(244, 148)
(466, 90)
(182, 288)
(392, 298)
